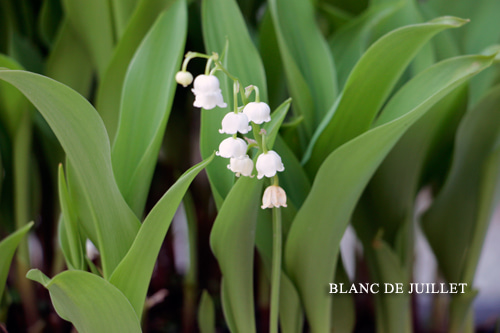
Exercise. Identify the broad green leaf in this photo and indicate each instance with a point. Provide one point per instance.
(93, 23)
(90, 303)
(83, 137)
(390, 195)
(8, 247)
(69, 61)
(222, 22)
(345, 173)
(75, 257)
(350, 42)
(232, 242)
(206, 314)
(110, 88)
(307, 60)
(133, 274)
(147, 98)
(455, 210)
(368, 86)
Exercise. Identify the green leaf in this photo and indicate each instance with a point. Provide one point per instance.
(206, 314)
(456, 209)
(232, 242)
(89, 302)
(134, 272)
(147, 98)
(368, 86)
(345, 173)
(11, 100)
(69, 60)
(350, 42)
(110, 88)
(92, 21)
(83, 137)
(75, 255)
(306, 57)
(222, 22)
(122, 10)
(8, 247)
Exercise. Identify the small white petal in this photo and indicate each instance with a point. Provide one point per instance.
(274, 196)
(183, 78)
(232, 147)
(207, 92)
(241, 166)
(268, 164)
(258, 112)
(235, 122)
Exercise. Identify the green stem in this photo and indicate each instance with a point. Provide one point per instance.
(276, 271)
(22, 151)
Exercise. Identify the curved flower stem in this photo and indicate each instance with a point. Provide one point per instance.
(275, 271)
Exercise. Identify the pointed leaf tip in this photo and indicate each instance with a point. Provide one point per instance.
(450, 20)
(38, 276)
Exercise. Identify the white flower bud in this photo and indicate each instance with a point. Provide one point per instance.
(207, 92)
(184, 78)
(268, 164)
(274, 196)
(241, 166)
(258, 112)
(232, 147)
(235, 122)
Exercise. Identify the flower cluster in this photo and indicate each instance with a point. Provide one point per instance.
(240, 121)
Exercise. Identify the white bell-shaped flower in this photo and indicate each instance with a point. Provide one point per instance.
(235, 122)
(207, 92)
(232, 147)
(268, 164)
(274, 196)
(257, 112)
(184, 78)
(241, 166)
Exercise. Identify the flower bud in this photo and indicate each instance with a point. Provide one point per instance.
(257, 112)
(207, 92)
(232, 147)
(268, 164)
(274, 196)
(184, 78)
(235, 122)
(241, 166)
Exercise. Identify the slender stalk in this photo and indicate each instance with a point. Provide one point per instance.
(275, 271)
(22, 150)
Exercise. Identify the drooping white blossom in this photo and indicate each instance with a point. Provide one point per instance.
(207, 92)
(232, 147)
(268, 164)
(274, 196)
(184, 78)
(257, 112)
(241, 166)
(235, 122)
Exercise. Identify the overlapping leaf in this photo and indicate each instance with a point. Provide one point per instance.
(313, 244)
(369, 84)
(83, 136)
(89, 302)
(147, 97)
(134, 272)
(8, 247)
